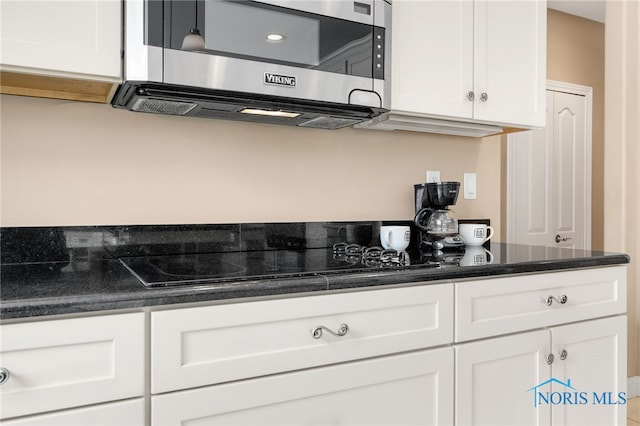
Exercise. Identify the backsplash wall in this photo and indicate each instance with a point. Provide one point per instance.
(74, 163)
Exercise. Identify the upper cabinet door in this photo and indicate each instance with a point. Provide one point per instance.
(510, 61)
(432, 57)
(62, 38)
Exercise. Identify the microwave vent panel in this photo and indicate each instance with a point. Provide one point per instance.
(161, 106)
(329, 123)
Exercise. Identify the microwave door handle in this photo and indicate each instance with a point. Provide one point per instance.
(347, 10)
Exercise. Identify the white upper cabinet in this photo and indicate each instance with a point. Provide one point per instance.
(510, 62)
(61, 49)
(469, 61)
(62, 38)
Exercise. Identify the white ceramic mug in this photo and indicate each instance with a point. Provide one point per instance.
(475, 234)
(475, 256)
(395, 237)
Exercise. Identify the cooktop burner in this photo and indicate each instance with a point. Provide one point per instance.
(201, 268)
(369, 256)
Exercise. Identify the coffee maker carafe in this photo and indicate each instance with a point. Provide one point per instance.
(438, 226)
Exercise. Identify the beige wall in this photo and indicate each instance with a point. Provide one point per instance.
(622, 152)
(72, 163)
(575, 54)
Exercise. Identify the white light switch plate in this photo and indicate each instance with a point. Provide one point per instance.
(469, 186)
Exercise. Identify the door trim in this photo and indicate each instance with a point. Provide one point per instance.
(574, 89)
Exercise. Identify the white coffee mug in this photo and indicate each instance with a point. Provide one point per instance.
(475, 256)
(475, 234)
(395, 237)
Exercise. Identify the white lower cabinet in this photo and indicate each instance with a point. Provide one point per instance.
(216, 344)
(349, 358)
(565, 375)
(537, 349)
(492, 307)
(408, 389)
(593, 355)
(59, 364)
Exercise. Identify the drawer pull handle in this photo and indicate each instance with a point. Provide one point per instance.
(550, 359)
(317, 332)
(4, 376)
(549, 299)
(563, 354)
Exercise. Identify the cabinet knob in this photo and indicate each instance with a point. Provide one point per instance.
(550, 359)
(484, 97)
(549, 299)
(4, 375)
(471, 96)
(317, 332)
(563, 354)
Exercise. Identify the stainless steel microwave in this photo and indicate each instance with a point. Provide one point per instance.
(309, 63)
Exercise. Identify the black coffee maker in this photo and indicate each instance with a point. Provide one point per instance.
(438, 228)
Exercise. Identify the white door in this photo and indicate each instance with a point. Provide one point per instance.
(549, 176)
(494, 378)
(593, 355)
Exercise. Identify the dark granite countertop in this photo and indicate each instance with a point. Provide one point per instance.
(64, 270)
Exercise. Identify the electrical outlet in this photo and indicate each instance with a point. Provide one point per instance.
(433, 176)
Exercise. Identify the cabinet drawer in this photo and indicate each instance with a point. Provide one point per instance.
(124, 413)
(215, 344)
(504, 305)
(67, 363)
(413, 388)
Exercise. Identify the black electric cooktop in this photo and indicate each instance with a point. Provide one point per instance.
(201, 268)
